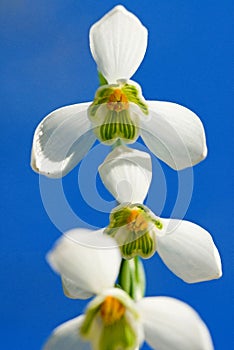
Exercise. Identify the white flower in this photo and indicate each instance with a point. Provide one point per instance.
(186, 248)
(173, 133)
(112, 319)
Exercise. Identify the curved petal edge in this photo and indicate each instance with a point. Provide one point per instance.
(118, 43)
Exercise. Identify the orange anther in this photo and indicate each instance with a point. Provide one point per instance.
(133, 215)
(136, 221)
(112, 310)
(117, 101)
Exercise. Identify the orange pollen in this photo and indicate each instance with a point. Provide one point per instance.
(133, 215)
(117, 101)
(112, 310)
(136, 221)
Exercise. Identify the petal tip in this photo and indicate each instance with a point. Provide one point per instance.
(33, 162)
(175, 134)
(119, 8)
(201, 156)
(205, 152)
(61, 140)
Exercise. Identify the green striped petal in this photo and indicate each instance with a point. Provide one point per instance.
(102, 96)
(144, 246)
(117, 125)
(134, 227)
(118, 336)
(113, 115)
(133, 95)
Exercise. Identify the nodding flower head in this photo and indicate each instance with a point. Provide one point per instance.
(112, 321)
(113, 112)
(172, 132)
(134, 228)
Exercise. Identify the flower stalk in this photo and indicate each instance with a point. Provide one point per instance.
(132, 278)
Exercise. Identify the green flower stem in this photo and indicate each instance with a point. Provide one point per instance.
(118, 143)
(102, 79)
(132, 278)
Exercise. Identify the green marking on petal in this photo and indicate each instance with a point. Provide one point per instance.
(132, 95)
(119, 217)
(102, 96)
(118, 336)
(143, 246)
(158, 224)
(132, 226)
(111, 116)
(117, 125)
(90, 314)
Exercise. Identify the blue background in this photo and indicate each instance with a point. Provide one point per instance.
(45, 64)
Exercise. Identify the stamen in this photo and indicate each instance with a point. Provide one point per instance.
(137, 221)
(117, 101)
(112, 310)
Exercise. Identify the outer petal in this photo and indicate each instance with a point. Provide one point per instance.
(127, 174)
(189, 251)
(174, 134)
(118, 43)
(172, 324)
(87, 261)
(61, 140)
(72, 291)
(67, 337)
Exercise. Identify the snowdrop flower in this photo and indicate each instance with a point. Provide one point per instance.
(186, 248)
(173, 133)
(112, 320)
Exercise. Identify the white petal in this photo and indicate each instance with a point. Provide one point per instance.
(61, 140)
(174, 134)
(67, 337)
(171, 324)
(72, 291)
(189, 251)
(89, 259)
(127, 174)
(118, 43)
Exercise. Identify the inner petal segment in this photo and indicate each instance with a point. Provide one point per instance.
(111, 113)
(134, 230)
